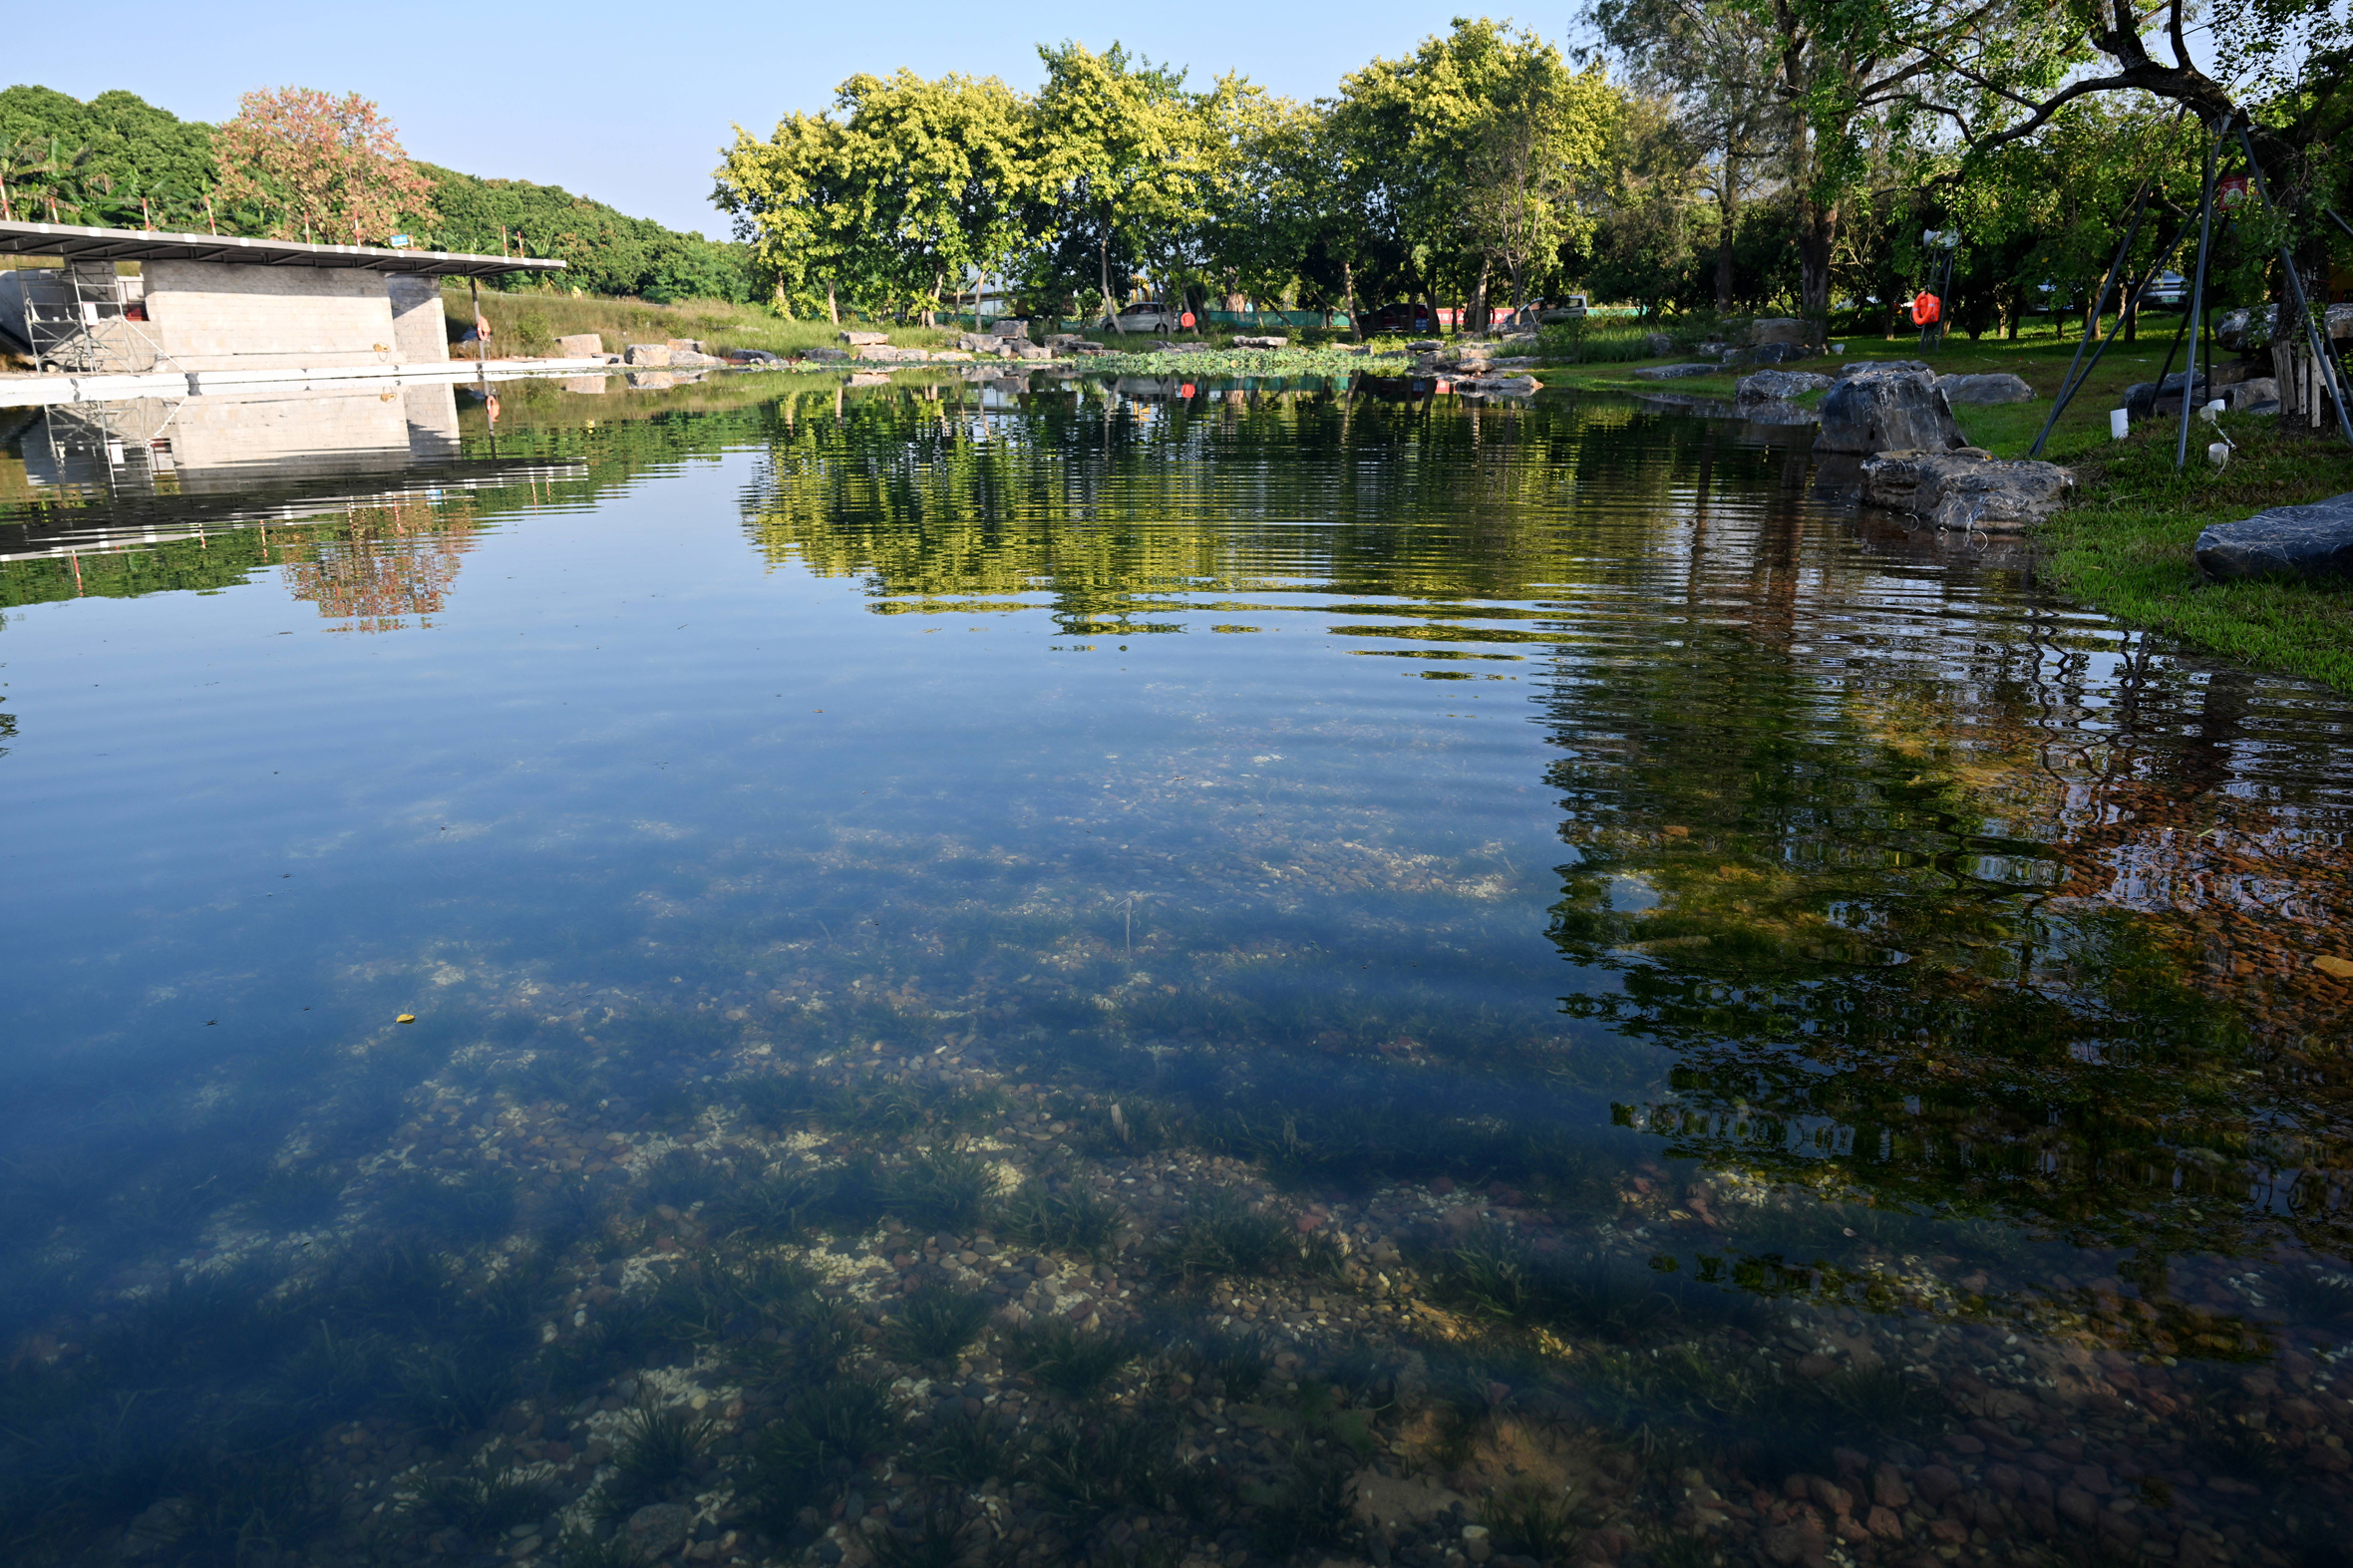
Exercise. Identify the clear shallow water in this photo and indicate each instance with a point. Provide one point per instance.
(1638, 986)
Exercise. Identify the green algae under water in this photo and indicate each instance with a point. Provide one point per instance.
(1146, 971)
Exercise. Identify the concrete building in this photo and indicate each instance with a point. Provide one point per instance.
(205, 302)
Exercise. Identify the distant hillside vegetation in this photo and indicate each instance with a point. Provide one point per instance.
(136, 150)
(605, 252)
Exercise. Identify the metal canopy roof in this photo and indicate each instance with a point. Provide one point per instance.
(76, 243)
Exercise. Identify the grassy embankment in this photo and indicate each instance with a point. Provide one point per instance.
(2125, 546)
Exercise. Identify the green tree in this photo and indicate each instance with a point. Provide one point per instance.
(322, 168)
(108, 155)
(1123, 163)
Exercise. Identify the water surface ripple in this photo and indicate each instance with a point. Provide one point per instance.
(1002, 974)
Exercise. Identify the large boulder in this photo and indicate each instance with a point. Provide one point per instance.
(694, 359)
(831, 356)
(1778, 329)
(2143, 397)
(890, 353)
(580, 345)
(1260, 342)
(1658, 344)
(646, 354)
(1011, 329)
(686, 345)
(1768, 385)
(1968, 488)
(2258, 395)
(1675, 372)
(1888, 411)
(2284, 542)
(1984, 388)
(861, 340)
(2240, 330)
(1774, 353)
(1857, 366)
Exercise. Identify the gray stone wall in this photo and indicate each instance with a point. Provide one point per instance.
(211, 315)
(420, 331)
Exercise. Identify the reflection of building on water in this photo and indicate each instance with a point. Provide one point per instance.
(360, 495)
(227, 442)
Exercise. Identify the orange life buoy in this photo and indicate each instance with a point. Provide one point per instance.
(1926, 309)
(1185, 321)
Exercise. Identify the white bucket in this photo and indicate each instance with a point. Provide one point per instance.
(2120, 424)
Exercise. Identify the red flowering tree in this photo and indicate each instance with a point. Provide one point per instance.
(322, 168)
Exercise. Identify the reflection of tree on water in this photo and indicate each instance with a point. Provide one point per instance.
(1967, 935)
(381, 566)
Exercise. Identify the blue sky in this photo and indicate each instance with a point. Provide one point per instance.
(631, 104)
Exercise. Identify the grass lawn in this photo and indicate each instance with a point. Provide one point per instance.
(2125, 546)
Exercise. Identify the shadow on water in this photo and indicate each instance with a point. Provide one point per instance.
(1400, 964)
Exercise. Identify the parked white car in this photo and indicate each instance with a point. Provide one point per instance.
(1144, 316)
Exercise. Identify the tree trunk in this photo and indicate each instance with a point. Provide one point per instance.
(784, 301)
(1348, 299)
(1110, 310)
(1728, 206)
(1817, 233)
(1477, 321)
(832, 310)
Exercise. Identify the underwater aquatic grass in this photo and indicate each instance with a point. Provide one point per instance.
(828, 1434)
(1495, 1271)
(481, 1499)
(1086, 1468)
(472, 1209)
(939, 1188)
(941, 1538)
(1239, 1361)
(654, 1450)
(966, 1448)
(297, 1198)
(1220, 1234)
(1527, 1519)
(1077, 1219)
(774, 1206)
(241, 1514)
(938, 1323)
(682, 1178)
(1067, 1360)
(457, 1391)
(1308, 1504)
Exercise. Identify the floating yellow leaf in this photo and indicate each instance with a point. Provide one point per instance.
(406, 1017)
(2330, 964)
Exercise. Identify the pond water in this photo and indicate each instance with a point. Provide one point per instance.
(1142, 973)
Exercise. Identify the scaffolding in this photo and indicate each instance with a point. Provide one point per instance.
(118, 447)
(84, 319)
